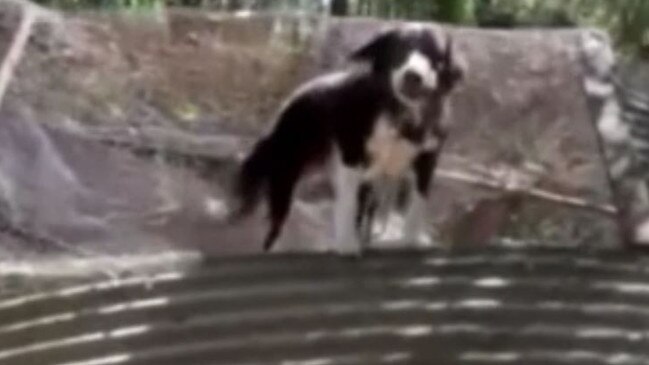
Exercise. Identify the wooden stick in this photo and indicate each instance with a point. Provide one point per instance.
(570, 201)
(17, 49)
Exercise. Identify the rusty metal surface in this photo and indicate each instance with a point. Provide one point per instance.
(541, 307)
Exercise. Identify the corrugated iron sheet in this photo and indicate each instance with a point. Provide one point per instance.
(549, 307)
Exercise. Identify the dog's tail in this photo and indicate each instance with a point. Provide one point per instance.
(252, 179)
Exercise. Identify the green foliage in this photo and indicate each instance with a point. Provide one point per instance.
(404, 9)
(626, 20)
(103, 4)
(522, 13)
(454, 11)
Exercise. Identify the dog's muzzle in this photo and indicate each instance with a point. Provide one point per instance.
(414, 87)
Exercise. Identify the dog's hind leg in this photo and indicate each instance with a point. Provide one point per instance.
(367, 205)
(347, 182)
(280, 196)
(416, 215)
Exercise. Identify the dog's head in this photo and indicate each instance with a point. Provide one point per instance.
(417, 61)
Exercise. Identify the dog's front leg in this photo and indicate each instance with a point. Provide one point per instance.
(347, 181)
(415, 232)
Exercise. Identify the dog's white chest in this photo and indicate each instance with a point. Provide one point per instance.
(391, 155)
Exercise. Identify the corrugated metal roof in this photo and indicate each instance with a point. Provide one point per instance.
(546, 307)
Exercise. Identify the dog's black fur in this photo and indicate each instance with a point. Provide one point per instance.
(342, 114)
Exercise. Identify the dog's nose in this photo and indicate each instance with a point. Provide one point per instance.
(413, 80)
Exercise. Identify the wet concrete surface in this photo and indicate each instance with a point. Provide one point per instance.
(480, 307)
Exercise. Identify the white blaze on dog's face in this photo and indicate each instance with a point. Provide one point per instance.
(414, 79)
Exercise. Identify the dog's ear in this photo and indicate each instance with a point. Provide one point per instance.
(377, 50)
(454, 66)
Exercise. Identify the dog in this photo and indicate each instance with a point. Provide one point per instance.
(384, 120)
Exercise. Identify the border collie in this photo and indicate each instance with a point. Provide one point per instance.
(377, 122)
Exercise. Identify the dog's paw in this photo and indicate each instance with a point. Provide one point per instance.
(421, 240)
(353, 249)
(217, 209)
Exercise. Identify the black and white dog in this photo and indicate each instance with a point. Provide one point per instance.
(381, 121)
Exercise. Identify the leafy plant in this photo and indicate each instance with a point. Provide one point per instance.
(626, 20)
(103, 4)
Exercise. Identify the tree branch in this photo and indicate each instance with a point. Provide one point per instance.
(17, 48)
(570, 201)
